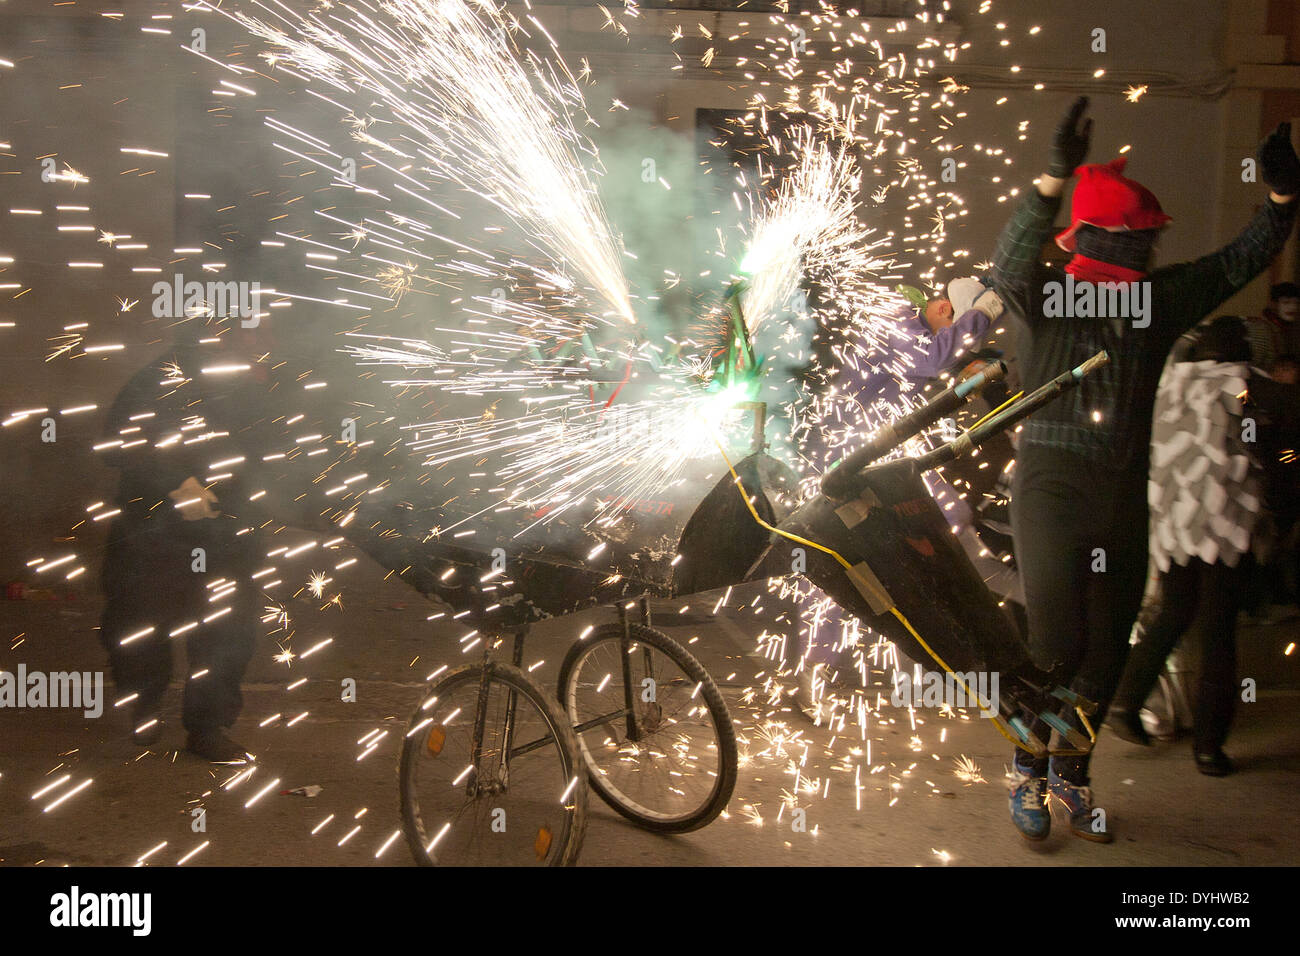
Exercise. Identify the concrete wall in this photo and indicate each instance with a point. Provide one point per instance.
(1176, 141)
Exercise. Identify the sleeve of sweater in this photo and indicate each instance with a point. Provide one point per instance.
(1019, 247)
(948, 343)
(1199, 287)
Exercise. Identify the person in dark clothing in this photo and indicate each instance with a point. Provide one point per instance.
(1206, 498)
(181, 555)
(1277, 331)
(1273, 593)
(211, 448)
(1285, 369)
(1079, 511)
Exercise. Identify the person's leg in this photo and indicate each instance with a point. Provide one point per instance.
(1217, 691)
(1275, 588)
(221, 649)
(1051, 568)
(1178, 594)
(1290, 570)
(146, 591)
(1049, 521)
(1279, 573)
(1114, 599)
(143, 664)
(1044, 517)
(1113, 590)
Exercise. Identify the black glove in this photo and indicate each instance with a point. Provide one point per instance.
(1070, 144)
(1278, 164)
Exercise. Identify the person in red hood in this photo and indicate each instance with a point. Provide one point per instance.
(1079, 501)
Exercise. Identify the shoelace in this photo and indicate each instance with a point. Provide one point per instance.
(1020, 781)
(1064, 791)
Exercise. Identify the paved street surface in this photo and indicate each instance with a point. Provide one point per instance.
(910, 807)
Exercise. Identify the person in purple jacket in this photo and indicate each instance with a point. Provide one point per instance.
(950, 326)
(930, 343)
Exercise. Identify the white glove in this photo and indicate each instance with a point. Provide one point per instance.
(991, 304)
(193, 501)
(969, 293)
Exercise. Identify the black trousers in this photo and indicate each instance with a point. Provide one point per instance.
(1212, 592)
(1080, 534)
(149, 583)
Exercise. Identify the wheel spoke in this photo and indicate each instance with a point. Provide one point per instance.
(676, 773)
(490, 811)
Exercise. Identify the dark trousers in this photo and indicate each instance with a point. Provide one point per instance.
(1281, 576)
(1212, 591)
(152, 587)
(1080, 534)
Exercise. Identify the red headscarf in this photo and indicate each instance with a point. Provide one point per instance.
(1108, 200)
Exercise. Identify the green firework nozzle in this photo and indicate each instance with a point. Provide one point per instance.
(739, 372)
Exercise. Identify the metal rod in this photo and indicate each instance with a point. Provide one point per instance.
(1012, 414)
(480, 717)
(512, 699)
(839, 483)
(625, 653)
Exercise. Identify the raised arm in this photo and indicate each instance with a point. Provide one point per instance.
(1020, 245)
(1022, 239)
(1212, 279)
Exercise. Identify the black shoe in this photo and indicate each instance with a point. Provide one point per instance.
(1216, 764)
(215, 747)
(1127, 725)
(147, 732)
(146, 723)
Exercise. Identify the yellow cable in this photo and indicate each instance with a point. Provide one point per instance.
(998, 409)
(997, 721)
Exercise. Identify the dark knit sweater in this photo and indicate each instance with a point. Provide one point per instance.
(1107, 419)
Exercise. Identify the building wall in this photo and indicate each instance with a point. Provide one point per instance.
(1187, 146)
(1175, 141)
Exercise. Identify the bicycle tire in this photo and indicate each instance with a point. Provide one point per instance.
(647, 817)
(564, 850)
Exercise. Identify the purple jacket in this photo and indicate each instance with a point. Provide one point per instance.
(946, 344)
(921, 360)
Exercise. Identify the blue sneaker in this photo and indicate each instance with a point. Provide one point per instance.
(1029, 805)
(1087, 820)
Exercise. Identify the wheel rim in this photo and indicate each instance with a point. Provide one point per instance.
(458, 814)
(673, 770)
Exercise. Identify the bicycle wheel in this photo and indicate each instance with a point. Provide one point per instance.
(490, 775)
(652, 728)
